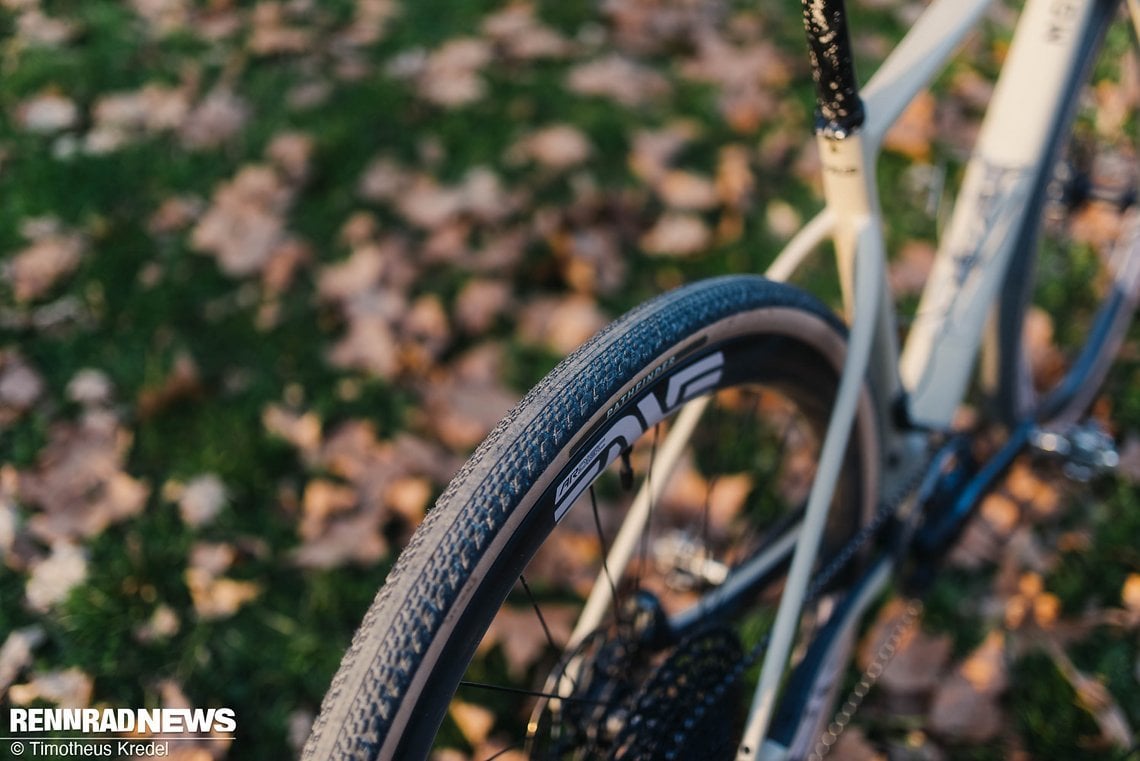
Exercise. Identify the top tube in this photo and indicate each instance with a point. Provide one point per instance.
(839, 108)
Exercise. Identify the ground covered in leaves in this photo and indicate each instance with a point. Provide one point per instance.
(271, 270)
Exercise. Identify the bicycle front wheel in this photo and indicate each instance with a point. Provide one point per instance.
(607, 620)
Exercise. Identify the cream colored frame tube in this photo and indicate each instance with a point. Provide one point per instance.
(940, 352)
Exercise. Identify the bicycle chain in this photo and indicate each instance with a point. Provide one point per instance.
(868, 680)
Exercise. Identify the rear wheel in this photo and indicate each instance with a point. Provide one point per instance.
(551, 607)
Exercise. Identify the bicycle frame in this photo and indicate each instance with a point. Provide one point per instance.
(931, 373)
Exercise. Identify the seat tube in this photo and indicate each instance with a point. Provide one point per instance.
(839, 110)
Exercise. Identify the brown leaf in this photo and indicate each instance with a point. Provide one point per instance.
(216, 598)
(370, 21)
(686, 191)
(66, 688)
(734, 180)
(324, 499)
(408, 497)
(271, 34)
(369, 345)
(985, 668)
(353, 540)
(47, 112)
(1130, 593)
(181, 384)
(560, 324)
(557, 147)
(619, 79)
(301, 430)
(16, 653)
(654, 151)
(78, 484)
(214, 120)
(912, 134)
(35, 28)
(124, 116)
(202, 498)
(677, 234)
(90, 388)
(20, 386)
(162, 625)
(960, 713)
(53, 254)
(449, 77)
(521, 36)
(480, 303)
(291, 153)
(520, 634)
(463, 405)
(175, 213)
(53, 578)
(244, 223)
(474, 721)
(163, 16)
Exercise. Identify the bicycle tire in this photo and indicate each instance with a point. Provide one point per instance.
(389, 696)
(1017, 395)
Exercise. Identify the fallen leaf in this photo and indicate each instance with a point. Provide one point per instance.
(521, 36)
(561, 324)
(180, 384)
(474, 721)
(47, 113)
(20, 386)
(520, 634)
(202, 499)
(66, 688)
(556, 147)
(1000, 513)
(216, 598)
(163, 16)
(89, 387)
(303, 431)
(782, 219)
(686, 191)
(914, 131)
(654, 150)
(162, 625)
(462, 405)
(1130, 593)
(449, 76)
(53, 578)
(480, 303)
(16, 653)
(53, 254)
(985, 668)
(734, 179)
(370, 21)
(244, 224)
(37, 29)
(291, 152)
(78, 484)
(677, 234)
(960, 713)
(214, 120)
(271, 33)
(619, 79)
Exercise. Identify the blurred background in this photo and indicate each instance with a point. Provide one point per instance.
(271, 270)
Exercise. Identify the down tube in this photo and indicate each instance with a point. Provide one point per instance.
(938, 359)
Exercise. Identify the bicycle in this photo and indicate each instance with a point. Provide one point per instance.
(774, 580)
